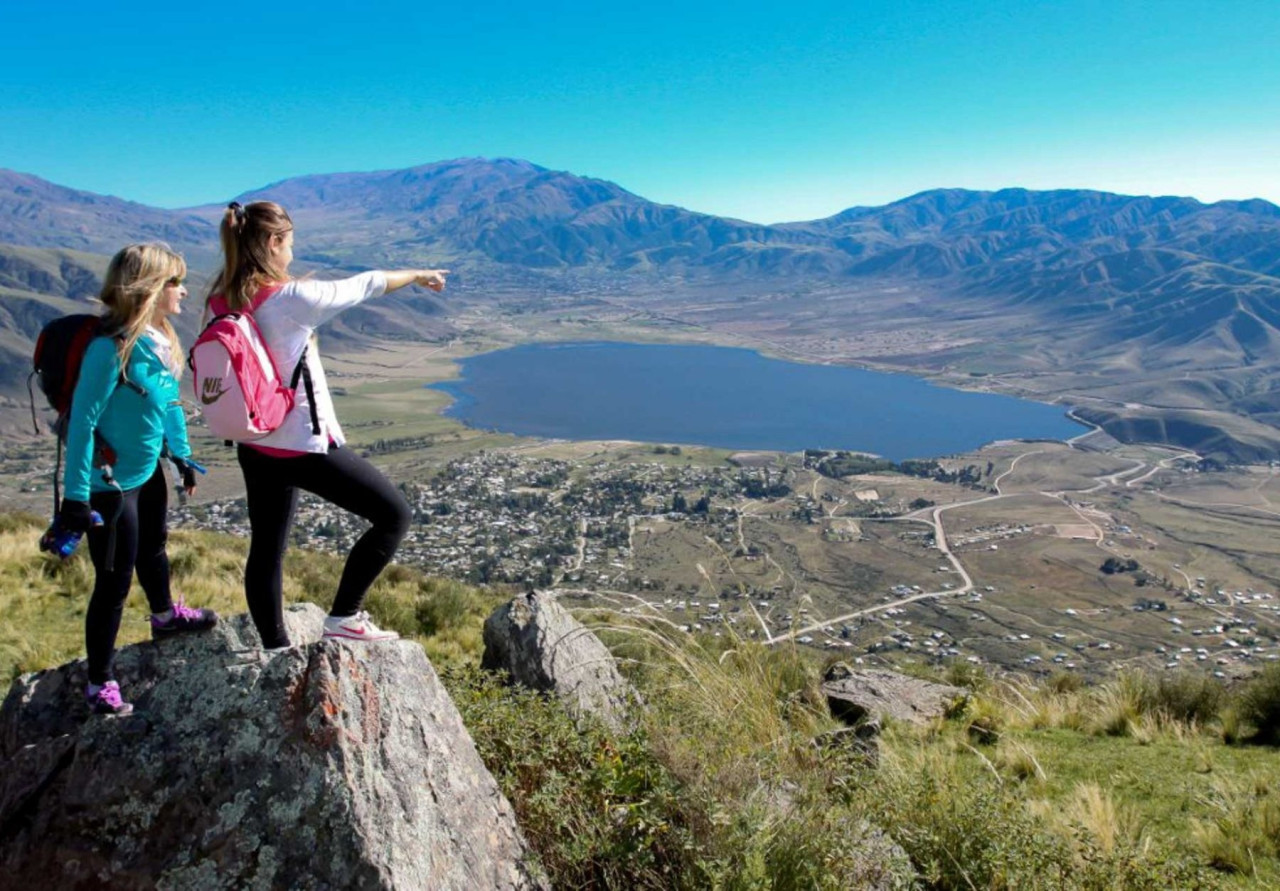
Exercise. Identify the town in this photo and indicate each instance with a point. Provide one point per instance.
(697, 546)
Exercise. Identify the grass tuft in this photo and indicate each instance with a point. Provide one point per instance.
(1244, 827)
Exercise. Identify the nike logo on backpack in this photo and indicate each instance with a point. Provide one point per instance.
(210, 391)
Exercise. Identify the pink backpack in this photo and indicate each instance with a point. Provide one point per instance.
(241, 393)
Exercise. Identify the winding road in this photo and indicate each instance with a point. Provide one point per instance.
(940, 534)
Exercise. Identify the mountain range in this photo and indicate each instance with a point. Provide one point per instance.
(1186, 285)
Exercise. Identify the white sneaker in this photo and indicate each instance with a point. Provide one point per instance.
(357, 627)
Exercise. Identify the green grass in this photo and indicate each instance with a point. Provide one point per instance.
(1170, 785)
(44, 600)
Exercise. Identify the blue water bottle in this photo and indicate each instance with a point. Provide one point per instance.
(58, 539)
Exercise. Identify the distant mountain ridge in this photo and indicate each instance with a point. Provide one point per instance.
(509, 212)
(1116, 283)
(506, 212)
(38, 213)
(1158, 270)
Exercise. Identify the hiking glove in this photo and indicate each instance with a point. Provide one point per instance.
(188, 470)
(75, 516)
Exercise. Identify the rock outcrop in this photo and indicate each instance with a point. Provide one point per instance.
(327, 765)
(855, 695)
(544, 647)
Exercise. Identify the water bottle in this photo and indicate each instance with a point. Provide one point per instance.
(58, 539)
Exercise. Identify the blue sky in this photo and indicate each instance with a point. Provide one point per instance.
(767, 112)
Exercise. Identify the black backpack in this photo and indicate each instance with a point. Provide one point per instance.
(59, 353)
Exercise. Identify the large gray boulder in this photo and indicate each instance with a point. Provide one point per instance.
(856, 695)
(544, 647)
(328, 765)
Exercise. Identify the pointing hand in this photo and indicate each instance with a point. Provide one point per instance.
(431, 278)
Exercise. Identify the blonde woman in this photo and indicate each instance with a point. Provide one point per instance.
(307, 452)
(127, 403)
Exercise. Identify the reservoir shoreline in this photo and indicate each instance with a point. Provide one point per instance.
(731, 397)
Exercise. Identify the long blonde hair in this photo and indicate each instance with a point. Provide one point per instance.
(246, 234)
(136, 276)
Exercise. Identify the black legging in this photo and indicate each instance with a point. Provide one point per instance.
(340, 477)
(141, 531)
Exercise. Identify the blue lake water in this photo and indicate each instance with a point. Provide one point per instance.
(732, 398)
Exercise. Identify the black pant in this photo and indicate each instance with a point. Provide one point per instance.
(340, 477)
(140, 533)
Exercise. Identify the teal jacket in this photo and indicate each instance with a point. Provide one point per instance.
(135, 425)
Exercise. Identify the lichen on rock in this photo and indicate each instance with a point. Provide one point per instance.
(327, 765)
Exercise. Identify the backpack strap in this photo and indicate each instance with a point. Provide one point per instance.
(100, 447)
(264, 294)
(218, 305)
(305, 373)
(301, 371)
(31, 397)
(57, 476)
(122, 378)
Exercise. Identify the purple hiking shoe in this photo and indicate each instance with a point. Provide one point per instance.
(106, 700)
(183, 618)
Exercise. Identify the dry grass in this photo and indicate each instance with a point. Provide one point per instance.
(1131, 704)
(1018, 760)
(1245, 825)
(1108, 824)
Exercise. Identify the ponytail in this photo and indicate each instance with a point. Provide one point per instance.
(247, 265)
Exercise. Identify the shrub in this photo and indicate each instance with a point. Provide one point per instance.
(1064, 682)
(1259, 705)
(441, 605)
(1107, 825)
(966, 674)
(965, 828)
(1119, 703)
(734, 723)
(1188, 697)
(444, 615)
(1232, 725)
(960, 829)
(599, 812)
(815, 846)
(985, 721)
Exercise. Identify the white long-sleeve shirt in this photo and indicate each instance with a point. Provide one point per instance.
(287, 319)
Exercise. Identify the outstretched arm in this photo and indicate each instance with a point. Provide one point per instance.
(319, 301)
(427, 278)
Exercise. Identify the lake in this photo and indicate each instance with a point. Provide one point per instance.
(732, 398)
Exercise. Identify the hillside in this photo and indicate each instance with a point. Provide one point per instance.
(736, 779)
(505, 212)
(38, 213)
(1090, 297)
(481, 214)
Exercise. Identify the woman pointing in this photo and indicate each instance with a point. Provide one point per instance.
(308, 450)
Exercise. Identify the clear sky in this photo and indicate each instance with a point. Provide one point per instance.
(764, 111)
